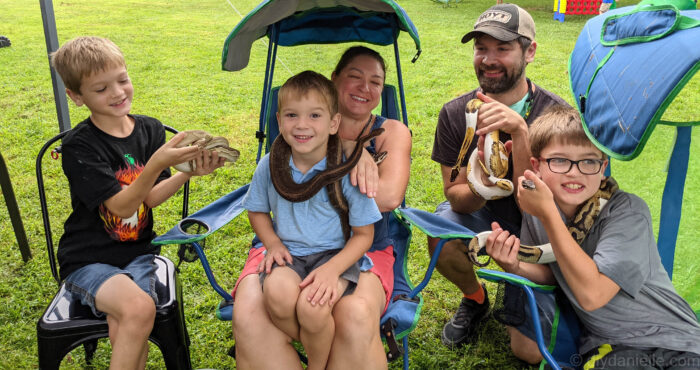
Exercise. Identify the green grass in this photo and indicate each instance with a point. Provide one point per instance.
(173, 50)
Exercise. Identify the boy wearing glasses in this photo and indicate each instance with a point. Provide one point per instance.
(608, 265)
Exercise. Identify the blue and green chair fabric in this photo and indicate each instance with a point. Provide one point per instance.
(627, 67)
(299, 22)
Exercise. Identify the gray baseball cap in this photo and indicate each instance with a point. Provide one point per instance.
(504, 22)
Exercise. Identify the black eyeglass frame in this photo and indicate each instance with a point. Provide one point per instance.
(572, 163)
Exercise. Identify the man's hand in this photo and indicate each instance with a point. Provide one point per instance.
(494, 115)
(480, 147)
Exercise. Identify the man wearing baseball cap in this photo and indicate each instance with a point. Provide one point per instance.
(504, 44)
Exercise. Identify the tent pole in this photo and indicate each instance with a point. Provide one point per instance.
(59, 89)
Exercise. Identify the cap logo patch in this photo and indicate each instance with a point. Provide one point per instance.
(494, 16)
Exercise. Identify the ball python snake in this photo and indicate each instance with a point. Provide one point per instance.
(205, 140)
(578, 226)
(495, 156)
(281, 174)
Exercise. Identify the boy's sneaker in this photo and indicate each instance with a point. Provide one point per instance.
(4, 42)
(463, 325)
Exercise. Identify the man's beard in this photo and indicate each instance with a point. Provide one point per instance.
(502, 84)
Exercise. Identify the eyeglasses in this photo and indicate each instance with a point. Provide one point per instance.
(563, 165)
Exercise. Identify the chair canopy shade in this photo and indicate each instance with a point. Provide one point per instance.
(302, 22)
(627, 67)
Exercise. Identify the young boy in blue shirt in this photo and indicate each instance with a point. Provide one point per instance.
(309, 265)
(117, 165)
(607, 262)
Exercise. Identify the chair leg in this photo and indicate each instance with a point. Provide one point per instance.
(49, 356)
(170, 335)
(53, 350)
(90, 348)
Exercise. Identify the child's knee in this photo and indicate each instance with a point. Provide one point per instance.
(523, 347)
(312, 318)
(141, 311)
(280, 300)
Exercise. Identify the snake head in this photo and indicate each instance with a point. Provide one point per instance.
(473, 105)
(379, 157)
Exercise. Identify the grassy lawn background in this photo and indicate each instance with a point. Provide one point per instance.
(173, 53)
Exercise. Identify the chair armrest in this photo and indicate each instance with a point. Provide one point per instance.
(433, 225)
(496, 276)
(212, 217)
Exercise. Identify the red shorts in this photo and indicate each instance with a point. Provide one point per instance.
(383, 267)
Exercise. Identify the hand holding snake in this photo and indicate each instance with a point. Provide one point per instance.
(538, 202)
(204, 140)
(537, 199)
(495, 164)
(503, 247)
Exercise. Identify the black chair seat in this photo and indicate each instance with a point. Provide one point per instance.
(67, 323)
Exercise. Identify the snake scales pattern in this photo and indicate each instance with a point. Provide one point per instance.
(578, 226)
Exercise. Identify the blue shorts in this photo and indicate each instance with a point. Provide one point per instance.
(546, 306)
(477, 221)
(84, 282)
(516, 313)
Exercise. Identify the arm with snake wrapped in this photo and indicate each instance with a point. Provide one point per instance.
(538, 254)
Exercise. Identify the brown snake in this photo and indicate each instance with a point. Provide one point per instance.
(281, 174)
(205, 140)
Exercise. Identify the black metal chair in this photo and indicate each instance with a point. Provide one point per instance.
(67, 323)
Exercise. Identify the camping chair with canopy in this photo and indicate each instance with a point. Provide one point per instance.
(301, 22)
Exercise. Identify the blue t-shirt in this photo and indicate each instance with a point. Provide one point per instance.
(311, 226)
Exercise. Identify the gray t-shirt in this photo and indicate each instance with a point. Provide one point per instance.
(450, 131)
(646, 312)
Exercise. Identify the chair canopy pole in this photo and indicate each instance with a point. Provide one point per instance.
(404, 115)
(267, 85)
(672, 199)
(59, 89)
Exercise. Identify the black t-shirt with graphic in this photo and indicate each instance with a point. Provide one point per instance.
(450, 131)
(98, 166)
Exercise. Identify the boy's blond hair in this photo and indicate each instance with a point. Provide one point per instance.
(83, 56)
(302, 83)
(558, 124)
